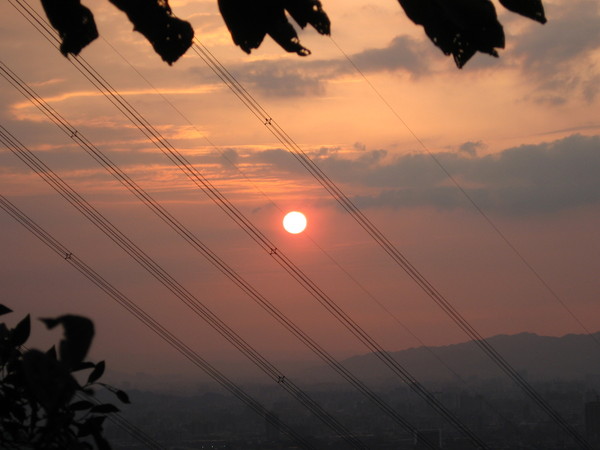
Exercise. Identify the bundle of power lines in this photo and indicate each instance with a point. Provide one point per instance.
(154, 136)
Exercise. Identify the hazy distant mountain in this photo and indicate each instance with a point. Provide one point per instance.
(537, 357)
(566, 358)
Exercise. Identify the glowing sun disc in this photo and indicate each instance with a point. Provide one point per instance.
(294, 222)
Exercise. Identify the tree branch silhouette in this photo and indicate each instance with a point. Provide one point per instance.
(460, 28)
(42, 404)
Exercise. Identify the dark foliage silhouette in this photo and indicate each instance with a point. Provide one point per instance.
(250, 21)
(170, 37)
(528, 8)
(463, 27)
(459, 28)
(42, 404)
(74, 23)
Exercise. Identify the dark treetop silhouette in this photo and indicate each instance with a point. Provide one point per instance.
(459, 28)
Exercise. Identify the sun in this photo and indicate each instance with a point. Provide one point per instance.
(294, 222)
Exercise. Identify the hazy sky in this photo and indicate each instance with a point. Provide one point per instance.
(520, 134)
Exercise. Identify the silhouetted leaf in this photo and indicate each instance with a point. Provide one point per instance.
(4, 331)
(458, 27)
(249, 22)
(90, 426)
(4, 310)
(48, 380)
(122, 396)
(97, 372)
(101, 443)
(79, 332)
(50, 323)
(74, 23)
(170, 36)
(21, 332)
(309, 12)
(52, 353)
(528, 8)
(81, 405)
(105, 408)
(83, 366)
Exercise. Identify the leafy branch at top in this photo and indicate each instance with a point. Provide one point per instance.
(459, 28)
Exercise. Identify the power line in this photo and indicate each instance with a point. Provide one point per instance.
(328, 255)
(388, 247)
(192, 240)
(148, 320)
(152, 267)
(295, 272)
(470, 199)
(261, 114)
(216, 196)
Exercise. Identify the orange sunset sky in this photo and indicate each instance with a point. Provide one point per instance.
(520, 134)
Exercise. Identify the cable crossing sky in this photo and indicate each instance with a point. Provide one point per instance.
(152, 267)
(293, 270)
(387, 246)
(537, 275)
(328, 255)
(192, 240)
(145, 318)
(199, 180)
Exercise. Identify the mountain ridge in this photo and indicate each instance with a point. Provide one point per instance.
(537, 357)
